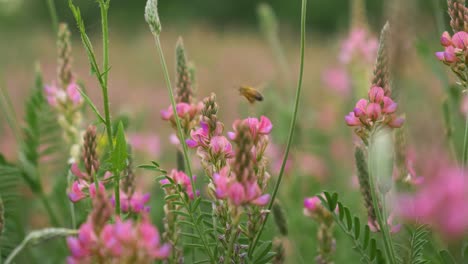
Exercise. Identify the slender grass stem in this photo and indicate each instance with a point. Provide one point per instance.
(53, 15)
(388, 244)
(292, 125)
(465, 143)
(176, 117)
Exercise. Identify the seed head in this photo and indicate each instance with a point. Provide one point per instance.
(152, 16)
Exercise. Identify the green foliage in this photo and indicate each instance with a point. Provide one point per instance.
(416, 245)
(446, 257)
(119, 154)
(351, 226)
(37, 237)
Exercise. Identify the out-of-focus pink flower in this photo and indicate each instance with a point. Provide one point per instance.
(338, 80)
(135, 203)
(379, 109)
(275, 155)
(312, 165)
(238, 193)
(441, 201)
(183, 110)
(74, 94)
(446, 39)
(359, 45)
(311, 204)
(183, 180)
(121, 242)
(77, 190)
(147, 143)
(51, 91)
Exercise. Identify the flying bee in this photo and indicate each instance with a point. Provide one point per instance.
(250, 93)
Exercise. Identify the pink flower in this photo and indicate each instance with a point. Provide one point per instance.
(311, 204)
(352, 120)
(135, 203)
(441, 201)
(51, 91)
(376, 94)
(219, 145)
(359, 45)
(76, 192)
(183, 110)
(257, 127)
(183, 180)
(373, 111)
(150, 240)
(460, 40)
(74, 94)
(389, 105)
(445, 39)
(338, 80)
(147, 143)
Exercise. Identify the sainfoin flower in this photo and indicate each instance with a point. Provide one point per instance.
(69, 96)
(135, 203)
(456, 48)
(379, 109)
(184, 110)
(441, 201)
(360, 45)
(121, 242)
(238, 193)
(182, 179)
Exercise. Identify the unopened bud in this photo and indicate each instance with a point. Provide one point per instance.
(152, 17)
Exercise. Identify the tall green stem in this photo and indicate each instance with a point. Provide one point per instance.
(53, 15)
(291, 127)
(176, 117)
(388, 244)
(104, 6)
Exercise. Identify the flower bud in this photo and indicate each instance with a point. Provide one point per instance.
(152, 17)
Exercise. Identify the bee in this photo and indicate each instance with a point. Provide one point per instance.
(250, 93)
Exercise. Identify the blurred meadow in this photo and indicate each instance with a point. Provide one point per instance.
(225, 41)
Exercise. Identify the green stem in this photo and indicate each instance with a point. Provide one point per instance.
(292, 125)
(53, 15)
(389, 249)
(104, 6)
(176, 117)
(465, 143)
(230, 248)
(53, 219)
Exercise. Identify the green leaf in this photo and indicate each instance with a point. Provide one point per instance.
(447, 258)
(119, 154)
(93, 107)
(357, 227)
(266, 258)
(262, 250)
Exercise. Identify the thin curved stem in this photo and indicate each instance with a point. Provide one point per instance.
(53, 15)
(176, 117)
(292, 125)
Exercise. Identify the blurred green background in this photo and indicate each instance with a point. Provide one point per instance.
(325, 16)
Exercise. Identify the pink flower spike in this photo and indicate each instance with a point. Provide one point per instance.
(220, 145)
(352, 120)
(389, 105)
(221, 183)
(86, 234)
(373, 111)
(376, 94)
(445, 39)
(182, 109)
(360, 108)
(76, 193)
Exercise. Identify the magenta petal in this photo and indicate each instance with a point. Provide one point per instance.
(262, 200)
(162, 252)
